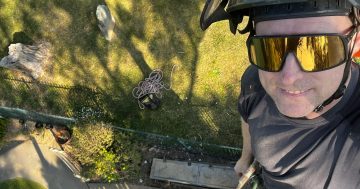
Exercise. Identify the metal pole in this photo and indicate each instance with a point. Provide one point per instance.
(34, 116)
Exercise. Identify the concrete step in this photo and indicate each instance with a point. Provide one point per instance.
(198, 174)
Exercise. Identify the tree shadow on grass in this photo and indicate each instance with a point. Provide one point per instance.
(6, 38)
(176, 36)
(90, 64)
(182, 35)
(22, 37)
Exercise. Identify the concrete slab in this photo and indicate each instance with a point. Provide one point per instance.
(174, 170)
(195, 174)
(217, 176)
(28, 159)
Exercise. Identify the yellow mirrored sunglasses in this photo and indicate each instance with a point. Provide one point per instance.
(313, 52)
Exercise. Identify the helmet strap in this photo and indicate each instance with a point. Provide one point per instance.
(342, 87)
(340, 91)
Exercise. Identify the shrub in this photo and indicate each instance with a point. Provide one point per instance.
(129, 154)
(88, 140)
(105, 165)
(3, 123)
(104, 153)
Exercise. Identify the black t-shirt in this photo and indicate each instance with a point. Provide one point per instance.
(299, 153)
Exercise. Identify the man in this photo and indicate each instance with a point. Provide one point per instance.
(300, 98)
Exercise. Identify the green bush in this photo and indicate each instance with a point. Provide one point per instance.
(104, 153)
(129, 154)
(105, 165)
(89, 140)
(3, 123)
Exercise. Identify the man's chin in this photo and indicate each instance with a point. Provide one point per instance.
(295, 112)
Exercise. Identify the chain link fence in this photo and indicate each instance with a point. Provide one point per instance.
(84, 104)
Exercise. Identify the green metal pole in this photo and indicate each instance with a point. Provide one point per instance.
(34, 116)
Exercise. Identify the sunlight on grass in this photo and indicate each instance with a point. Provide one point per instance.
(222, 61)
(149, 35)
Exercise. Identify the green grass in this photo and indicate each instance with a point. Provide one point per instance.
(201, 104)
(20, 183)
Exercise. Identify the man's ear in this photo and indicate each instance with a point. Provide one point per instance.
(356, 51)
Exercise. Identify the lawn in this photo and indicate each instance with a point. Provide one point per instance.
(89, 73)
(20, 183)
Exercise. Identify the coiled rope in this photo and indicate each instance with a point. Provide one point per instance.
(151, 85)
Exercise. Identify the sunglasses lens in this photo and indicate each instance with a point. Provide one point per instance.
(314, 53)
(267, 53)
(320, 52)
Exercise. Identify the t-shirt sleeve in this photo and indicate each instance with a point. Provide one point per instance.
(251, 92)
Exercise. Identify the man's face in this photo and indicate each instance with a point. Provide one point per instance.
(297, 93)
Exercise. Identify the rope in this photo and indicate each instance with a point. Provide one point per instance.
(151, 85)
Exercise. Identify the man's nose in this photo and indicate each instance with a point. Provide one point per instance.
(291, 70)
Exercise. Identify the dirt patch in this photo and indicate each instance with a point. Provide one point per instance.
(16, 130)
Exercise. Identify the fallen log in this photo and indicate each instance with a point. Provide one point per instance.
(28, 59)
